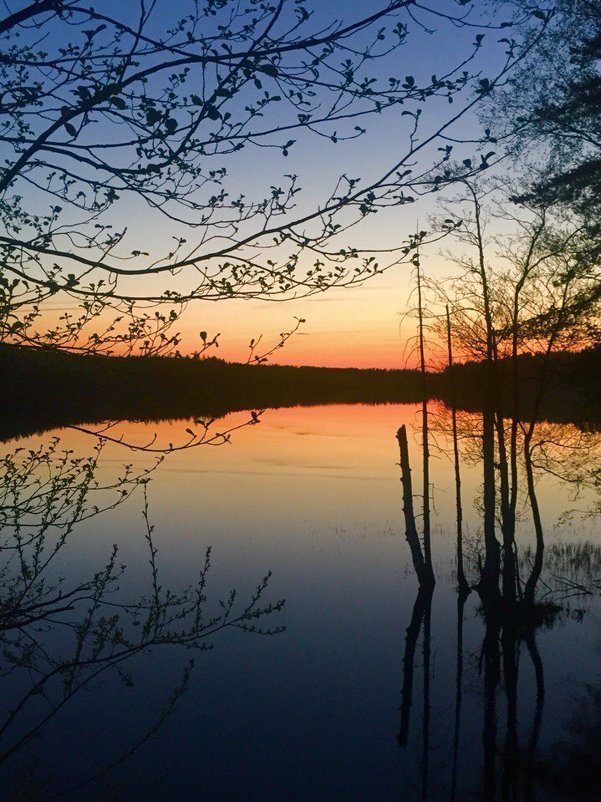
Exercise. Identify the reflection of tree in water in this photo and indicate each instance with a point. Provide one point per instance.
(521, 589)
(59, 636)
(498, 315)
(570, 771)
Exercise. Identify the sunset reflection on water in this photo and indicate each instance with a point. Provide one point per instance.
(314, 494)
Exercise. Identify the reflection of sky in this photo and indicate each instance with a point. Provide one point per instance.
(314, 495)
(358, 327)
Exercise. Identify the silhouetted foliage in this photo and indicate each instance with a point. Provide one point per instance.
(72, 389)
(119, 122)
(46, 389)
(550, 107)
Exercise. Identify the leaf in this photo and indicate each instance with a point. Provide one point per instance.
(118, 102)
(212, 113)
(153, 116)
(269, 69)
(196, 100)
(70, 129)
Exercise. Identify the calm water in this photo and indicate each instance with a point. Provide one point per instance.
(314, 712)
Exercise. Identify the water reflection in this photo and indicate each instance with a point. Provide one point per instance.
(515, 602)
(60, 635)
(476, 702)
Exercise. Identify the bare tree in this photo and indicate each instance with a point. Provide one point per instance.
(529, 291)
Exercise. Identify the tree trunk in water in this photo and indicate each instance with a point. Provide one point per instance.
(489, 583)
(423, 569)
(425, 446)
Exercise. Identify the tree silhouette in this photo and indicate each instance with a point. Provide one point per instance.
(551, 107)
(138, 112)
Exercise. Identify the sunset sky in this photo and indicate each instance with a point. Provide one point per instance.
(356, 327)
(359, 326)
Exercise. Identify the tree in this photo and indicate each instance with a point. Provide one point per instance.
(527, 284)
(108, 115)
(552, 108)
(530, 292)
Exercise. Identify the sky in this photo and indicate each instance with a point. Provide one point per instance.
(363, 326)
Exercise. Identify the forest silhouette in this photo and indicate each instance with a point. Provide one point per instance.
(46, 389)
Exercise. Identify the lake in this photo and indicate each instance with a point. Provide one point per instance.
(366, 694)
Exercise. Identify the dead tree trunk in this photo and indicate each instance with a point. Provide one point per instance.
(423, 568)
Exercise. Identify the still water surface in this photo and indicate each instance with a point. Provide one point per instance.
(314, 713)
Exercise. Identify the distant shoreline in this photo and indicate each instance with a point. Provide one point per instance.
(46, 389)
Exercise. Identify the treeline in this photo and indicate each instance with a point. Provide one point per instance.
(44, 389)
(571, 383)
(47, 388)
